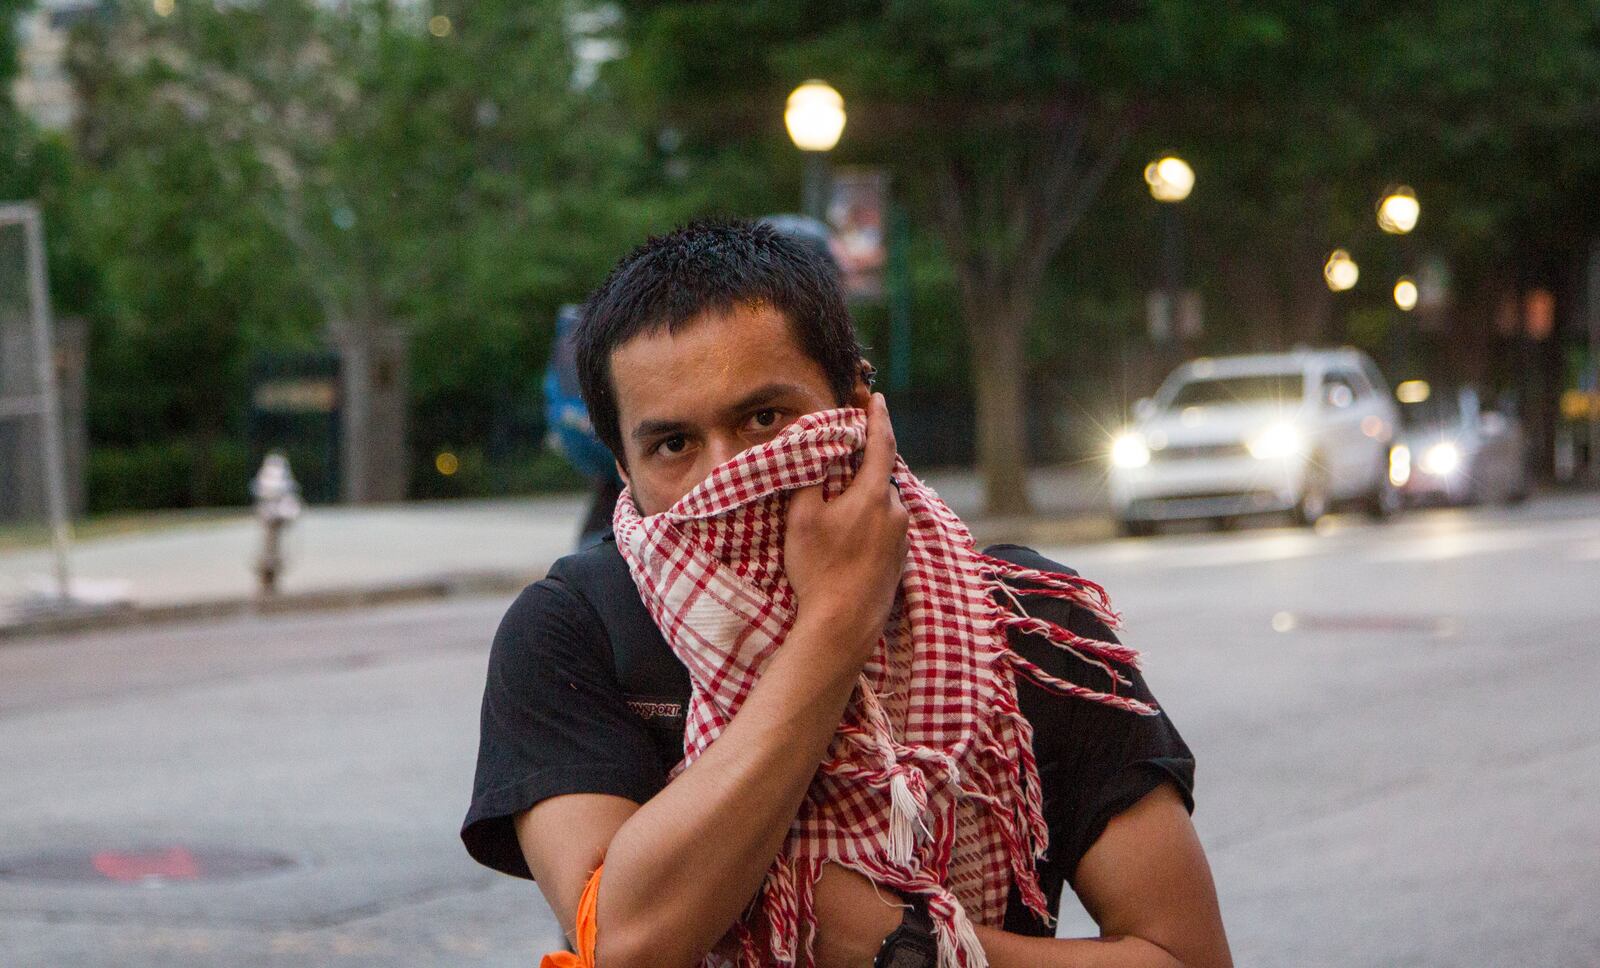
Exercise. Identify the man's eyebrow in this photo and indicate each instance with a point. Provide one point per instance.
(764, 394)
(657, 428)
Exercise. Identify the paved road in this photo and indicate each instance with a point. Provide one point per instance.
(1399, 764)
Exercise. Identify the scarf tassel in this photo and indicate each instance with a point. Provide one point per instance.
(959, 946)
(1080, 591)
(906, 816)
(1046, 680)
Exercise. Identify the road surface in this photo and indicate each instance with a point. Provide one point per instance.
(1398, 760)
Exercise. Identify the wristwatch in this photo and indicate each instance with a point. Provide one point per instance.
(912, 944)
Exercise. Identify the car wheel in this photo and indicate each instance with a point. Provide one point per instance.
(1313, 503)
(1386, 500)
(1519, 489)
(1132, 528)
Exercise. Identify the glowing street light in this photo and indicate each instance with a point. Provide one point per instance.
(1174, 316)
(1399, 210)
(1405, 294)
(815, 116)
(1170, 178)
(1340, 271)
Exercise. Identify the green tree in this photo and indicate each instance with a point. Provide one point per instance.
(272, 174)
(1003, 123)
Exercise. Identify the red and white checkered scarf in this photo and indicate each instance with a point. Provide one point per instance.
(930, 785)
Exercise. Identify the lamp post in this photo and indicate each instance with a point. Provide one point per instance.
(1405, 294)
(1340, 271)
(1171, 180)
(815, 119)
(1399, 210)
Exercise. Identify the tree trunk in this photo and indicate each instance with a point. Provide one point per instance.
(1000, 381)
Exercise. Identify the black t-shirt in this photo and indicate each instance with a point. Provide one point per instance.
(585, 696)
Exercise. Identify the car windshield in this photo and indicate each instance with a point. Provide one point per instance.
(1260, 388)
(1438, 410)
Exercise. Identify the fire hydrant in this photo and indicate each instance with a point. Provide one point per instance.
(277, 497)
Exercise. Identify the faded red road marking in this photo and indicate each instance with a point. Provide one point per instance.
(170, 864)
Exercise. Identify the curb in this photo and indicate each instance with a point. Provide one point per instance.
(1035, 531)
(96, 618)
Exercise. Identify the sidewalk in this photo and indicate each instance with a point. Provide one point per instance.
(343, 556)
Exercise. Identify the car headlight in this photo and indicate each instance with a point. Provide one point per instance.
(1278, 440)
(1441, 459)
(1129, 450)
(1399, 465)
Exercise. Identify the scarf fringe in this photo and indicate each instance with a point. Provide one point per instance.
(1080, 591)
(959, 946)
(1045, 679)
(788, 902)
(1069, 641)
(904, 818)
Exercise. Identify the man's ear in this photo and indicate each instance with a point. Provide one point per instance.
(861, 394)
(622, 472)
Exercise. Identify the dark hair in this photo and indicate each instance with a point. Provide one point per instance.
(673, 279)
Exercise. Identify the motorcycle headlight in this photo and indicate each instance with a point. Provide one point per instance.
(1441, 459)
(1128, 450)
(1278, 440)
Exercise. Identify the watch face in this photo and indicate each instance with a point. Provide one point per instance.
(903, 955)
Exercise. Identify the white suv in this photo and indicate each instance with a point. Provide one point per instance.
(1236, 435)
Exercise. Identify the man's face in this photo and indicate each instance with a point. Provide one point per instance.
(689, 401)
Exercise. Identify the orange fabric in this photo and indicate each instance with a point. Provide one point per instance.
(585, 930)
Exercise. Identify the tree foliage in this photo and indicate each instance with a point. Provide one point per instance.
(251, 176)
(273, 174)
(1004, 123)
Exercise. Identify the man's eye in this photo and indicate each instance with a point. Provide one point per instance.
(766, 419)
(674, 444)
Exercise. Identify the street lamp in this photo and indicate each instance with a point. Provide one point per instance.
(1340, 271)
(815, 119)
(1399, 210)
(1405, 294)
(1171, 180)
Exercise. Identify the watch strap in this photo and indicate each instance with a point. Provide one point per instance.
(913, 944)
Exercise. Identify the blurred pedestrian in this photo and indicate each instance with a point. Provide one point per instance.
(570, 433)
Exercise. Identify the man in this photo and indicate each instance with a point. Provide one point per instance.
(702, 344)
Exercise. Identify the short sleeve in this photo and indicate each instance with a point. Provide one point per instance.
(1095, 761)
(553, 722)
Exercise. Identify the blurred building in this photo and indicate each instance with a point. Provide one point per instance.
(42, 88)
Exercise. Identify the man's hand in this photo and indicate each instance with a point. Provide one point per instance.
(844, 556)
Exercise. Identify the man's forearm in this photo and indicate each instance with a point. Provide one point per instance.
(1007, 950)
(681, 870)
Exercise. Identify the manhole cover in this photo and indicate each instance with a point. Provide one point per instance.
(1419, 624)
(149, 867)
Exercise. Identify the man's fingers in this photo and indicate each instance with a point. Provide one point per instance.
(804, 500)
(877, 461)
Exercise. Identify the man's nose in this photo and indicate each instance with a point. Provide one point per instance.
(723, 448)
